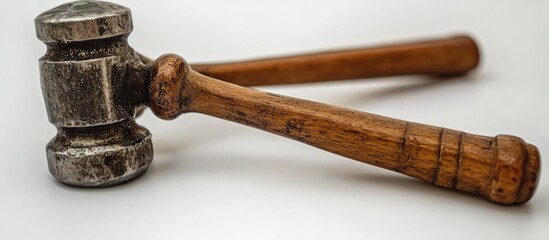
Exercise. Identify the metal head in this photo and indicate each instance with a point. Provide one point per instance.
(93, 82)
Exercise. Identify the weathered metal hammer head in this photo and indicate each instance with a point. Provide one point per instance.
(93, 82)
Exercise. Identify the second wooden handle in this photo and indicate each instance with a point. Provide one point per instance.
(445, 56)
(503, 169)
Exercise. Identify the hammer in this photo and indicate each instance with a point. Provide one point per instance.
(93, 83)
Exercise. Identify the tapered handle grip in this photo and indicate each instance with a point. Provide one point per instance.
(445, 56)
(504, 169)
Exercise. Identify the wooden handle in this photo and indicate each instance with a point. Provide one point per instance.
(447, 56)
(503, 169)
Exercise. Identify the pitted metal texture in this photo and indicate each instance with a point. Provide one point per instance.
(83, 20)
(100, 156)
(93, 82)
(92, 86)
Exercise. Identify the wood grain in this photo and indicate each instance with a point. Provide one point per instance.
(503, 169)
(449, 56)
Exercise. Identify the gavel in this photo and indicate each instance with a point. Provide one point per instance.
(93, 83)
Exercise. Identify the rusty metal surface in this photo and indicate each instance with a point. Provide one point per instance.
(100, 156)
(93, 83)
(83, 20)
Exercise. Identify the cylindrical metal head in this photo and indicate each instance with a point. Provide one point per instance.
(100, 156)
(83, 20)
(92, 82)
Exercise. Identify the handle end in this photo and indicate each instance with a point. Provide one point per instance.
(532, 172)
(469, 45)
(516, 172)
(462, 56)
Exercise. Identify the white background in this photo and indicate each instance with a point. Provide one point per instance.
(212, 179)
